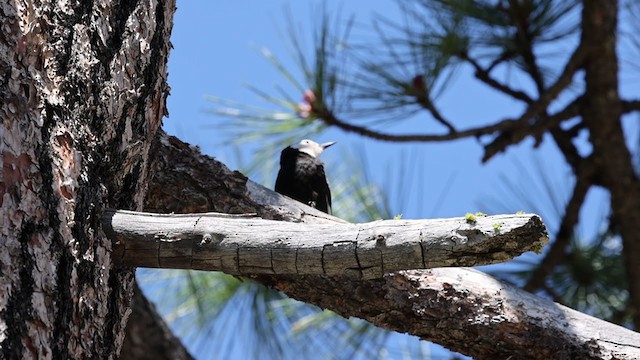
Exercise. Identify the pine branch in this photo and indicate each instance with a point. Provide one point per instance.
(538, 107)
(564, 142)
(330, 119)
(506, 127)
(430, 106)
(484, 75)
(630, 106)
(556, 253)
(562, 139)
(522, 128)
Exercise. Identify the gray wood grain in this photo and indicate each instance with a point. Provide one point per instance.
(245, 245)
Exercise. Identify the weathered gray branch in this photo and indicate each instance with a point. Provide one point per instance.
(248, 245)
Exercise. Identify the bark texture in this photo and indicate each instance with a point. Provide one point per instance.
(82, 94)
(242, 245)
(464, 310)
(467, 311)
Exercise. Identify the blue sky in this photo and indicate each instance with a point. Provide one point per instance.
(217, 51)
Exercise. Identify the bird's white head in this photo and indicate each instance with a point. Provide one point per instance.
(311, 147)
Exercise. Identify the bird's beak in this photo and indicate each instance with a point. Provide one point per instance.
(327, 144)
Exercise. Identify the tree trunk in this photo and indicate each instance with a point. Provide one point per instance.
(602, 114)
(82, 94)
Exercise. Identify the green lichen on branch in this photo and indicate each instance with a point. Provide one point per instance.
(470, 218)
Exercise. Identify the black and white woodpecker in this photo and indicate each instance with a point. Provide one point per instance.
(302, 177)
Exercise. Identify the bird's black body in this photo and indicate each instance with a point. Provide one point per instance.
(302, 177)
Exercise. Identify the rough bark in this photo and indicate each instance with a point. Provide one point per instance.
(242, 245)
(470, 312)
(82, 91)
(461, 309)
(602, 115)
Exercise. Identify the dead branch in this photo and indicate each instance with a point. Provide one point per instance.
(242, 245)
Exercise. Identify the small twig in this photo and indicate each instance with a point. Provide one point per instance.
(429, 105)
(485, 76)
(521, 128)
(567, 147)
(539, 107)
(630, 106)
(563, 139)
(575, 129)
(499, 60)
(520, 17)
(573, 65)
(328, 118)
